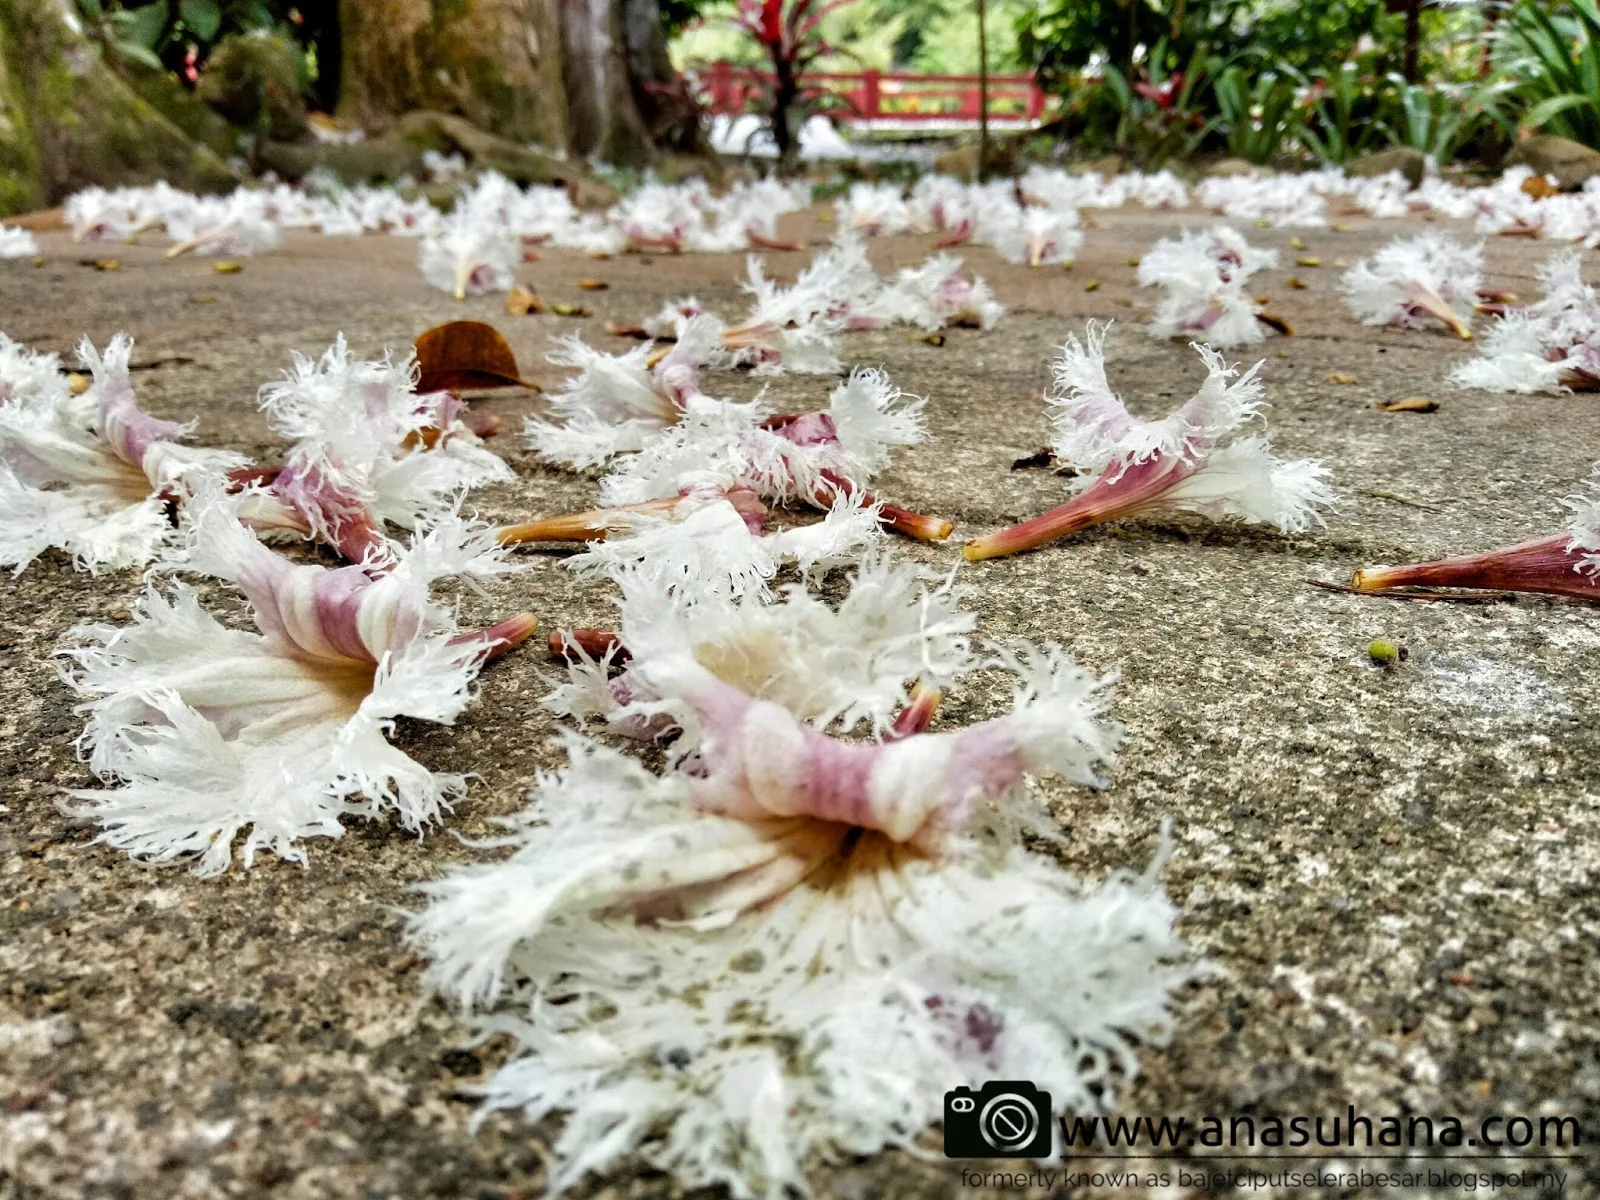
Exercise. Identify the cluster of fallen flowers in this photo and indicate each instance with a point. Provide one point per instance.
(795, 328)
(1203, 277)
(816, 865)
(211, 739)
(471, 249)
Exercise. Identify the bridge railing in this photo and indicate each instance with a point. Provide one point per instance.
(885, 96)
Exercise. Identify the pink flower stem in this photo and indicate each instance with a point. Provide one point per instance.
(891, 516)
(1542, 565)
(916, 716)
(503, 638)
(1104, 500)
(596, 643)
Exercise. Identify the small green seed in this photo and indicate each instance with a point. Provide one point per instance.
(1385, 654)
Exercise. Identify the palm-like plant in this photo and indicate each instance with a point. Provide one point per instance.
(1555, 52)
(790, 31)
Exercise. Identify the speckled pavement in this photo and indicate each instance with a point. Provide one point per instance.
(1392, 871)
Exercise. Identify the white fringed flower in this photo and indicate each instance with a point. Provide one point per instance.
(790, 945)
(707, 547)
(367, 450)
(1203, 276)
(210, 734)
(937, 294)
(1279, 200)
(1412, 279)
(1035, 237)
(1180, 463)
(728, 444)
(236, 224)
(91, 474)
(873, 208)
(17, 243)
(1546, 347)
(618, 402)
(98, 214)
(472, 254)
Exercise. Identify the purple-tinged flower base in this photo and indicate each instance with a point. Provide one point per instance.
(1545, 565)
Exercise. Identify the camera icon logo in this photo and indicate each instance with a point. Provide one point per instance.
(1006, 1118)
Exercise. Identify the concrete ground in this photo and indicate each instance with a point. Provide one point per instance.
(1392, 870)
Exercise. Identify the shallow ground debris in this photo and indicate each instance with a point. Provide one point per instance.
(1393, 869)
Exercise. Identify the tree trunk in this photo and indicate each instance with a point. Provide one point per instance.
(590, 77)
(490, 61)
(68, 120)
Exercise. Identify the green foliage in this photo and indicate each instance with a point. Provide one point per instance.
(1553, 54)
(1440, 119)
(179, 35)
(1343, 120)
(1256, 115)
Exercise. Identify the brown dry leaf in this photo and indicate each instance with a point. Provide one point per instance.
(1308, 260)
(227, 268)
(569, 310)
(101, 264)
(933, 339)
(77, 383)
(1417, 404)
(466, 356)
(1092, 286)
(1538, 187)
(1340, 377)
(520, 302)
(1263, 299)
(1273, 321)
(1296, 282)
(593, 285)
(529, 254)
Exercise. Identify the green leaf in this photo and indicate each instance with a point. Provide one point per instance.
(1540, 113)
(145, 26)
(203, 17)
(139, 54)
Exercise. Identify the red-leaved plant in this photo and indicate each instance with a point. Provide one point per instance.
(790, 31)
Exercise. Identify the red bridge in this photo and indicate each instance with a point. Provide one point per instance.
(886, 97)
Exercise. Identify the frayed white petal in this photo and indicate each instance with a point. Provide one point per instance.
(1245, 481)
(819, 1002)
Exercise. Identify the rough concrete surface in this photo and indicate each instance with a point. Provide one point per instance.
(1392, 870)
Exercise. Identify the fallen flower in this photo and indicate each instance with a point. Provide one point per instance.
(1563, 564)
(706, 542)
(1203, 276)
(936, 295)
(813, 458)
(471, 255)
(1133, 467)
(17, 243)
(210, 732)
(771, 952)
(237, 225)
(88, 473)
(367, 451)
(1549, 346)
(1412, 279)
(618, 402)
